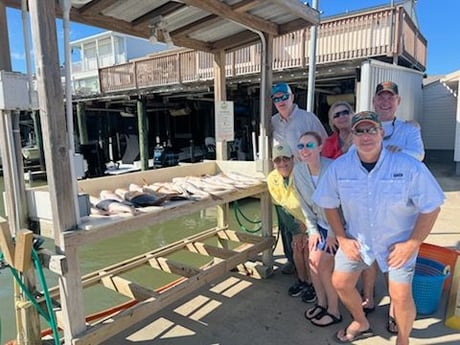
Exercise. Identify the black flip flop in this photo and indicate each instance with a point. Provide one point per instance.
(320, 316)
(316, 310)
(354, 335)
(392, 326)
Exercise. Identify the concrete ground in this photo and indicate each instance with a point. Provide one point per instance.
(242, 310)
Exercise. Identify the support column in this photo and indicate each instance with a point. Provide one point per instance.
(81, 123)
(457, 135)
(143, 127)
(56, 147)
(312, 64)
(220, 94)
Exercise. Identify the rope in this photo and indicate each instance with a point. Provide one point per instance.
(237, 211)
(48, 314)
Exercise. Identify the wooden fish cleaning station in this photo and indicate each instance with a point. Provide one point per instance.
(211, 25)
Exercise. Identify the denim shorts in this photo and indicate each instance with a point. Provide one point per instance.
(403, 275)
(322, 243)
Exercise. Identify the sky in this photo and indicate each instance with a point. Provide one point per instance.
(437, 21)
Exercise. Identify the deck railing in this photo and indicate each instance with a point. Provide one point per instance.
(380, 33)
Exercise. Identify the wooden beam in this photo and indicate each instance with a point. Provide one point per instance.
(299, 10)
(183, 41)
(23, 250)
(163, 10)
(196, 25)
(206, 249)
(225, 11)
(96, 6)
(6, 242)
(294, 25)
(235, 41)
(128, 288)
(171, 266)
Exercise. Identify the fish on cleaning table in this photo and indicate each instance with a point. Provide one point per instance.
(141, 199)
(111, 206)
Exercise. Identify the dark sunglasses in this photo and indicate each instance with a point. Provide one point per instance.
(341, 113)
(362, 131)
(310, 145)
(282, 98)
(284, 159)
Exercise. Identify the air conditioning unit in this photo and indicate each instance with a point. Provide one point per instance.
(14, 92)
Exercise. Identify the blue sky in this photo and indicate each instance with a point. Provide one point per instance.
(437, 23)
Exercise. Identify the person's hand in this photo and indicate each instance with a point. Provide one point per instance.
(350, 248)
(393, 148)
(331, 244)
(313, 241)
(401, 252)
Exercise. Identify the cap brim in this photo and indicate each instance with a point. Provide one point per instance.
(364, 121)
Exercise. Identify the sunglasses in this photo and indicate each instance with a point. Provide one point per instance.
(361, 131)
(310, 145)
(283, 159)
(345, 112)
(282, 98)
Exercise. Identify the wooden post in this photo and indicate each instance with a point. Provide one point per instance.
(220, 94)
(56, 145)
(142, 124)
(81, 121)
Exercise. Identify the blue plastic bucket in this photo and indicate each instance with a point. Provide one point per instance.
(427, 284)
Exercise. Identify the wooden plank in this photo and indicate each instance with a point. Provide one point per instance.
(206, 249)
(128, 288)
(23, 250)
(6, 242)
(238, 236)
(174, 267)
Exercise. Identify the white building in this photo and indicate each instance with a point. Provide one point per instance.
(102, 50)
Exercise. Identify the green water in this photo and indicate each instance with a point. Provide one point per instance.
(112, 250)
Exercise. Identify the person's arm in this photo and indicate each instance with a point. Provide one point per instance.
(401, 252)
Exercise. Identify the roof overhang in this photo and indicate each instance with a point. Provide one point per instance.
(207, 25)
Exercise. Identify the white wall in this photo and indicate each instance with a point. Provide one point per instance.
(438, 120)
(409, 85)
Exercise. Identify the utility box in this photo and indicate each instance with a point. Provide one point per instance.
(14, 92)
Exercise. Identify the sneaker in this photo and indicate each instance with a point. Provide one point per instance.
(297, 288)
(308, 294)
(288, 268)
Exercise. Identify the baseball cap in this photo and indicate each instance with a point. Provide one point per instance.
(281, 150)
(387, 86)
(365, 116)
(281, 88)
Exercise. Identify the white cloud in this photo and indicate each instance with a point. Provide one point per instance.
(18, 56)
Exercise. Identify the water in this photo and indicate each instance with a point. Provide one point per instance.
(104, 253)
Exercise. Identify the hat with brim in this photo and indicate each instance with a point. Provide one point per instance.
(281, 150)
(387, 86)
(365, 116)
(281, 88)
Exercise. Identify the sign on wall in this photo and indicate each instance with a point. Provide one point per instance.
(224, 121)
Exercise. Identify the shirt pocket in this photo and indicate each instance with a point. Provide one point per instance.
(349, 190)
(393, 191)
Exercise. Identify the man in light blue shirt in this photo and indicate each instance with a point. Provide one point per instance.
(390, 202)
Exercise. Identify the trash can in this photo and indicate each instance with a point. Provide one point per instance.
(427, 284)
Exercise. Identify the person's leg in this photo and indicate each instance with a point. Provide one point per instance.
(286, 239)
(369, 277)
(344, 279)
(402, 301)
(315, 274)
(299, 242)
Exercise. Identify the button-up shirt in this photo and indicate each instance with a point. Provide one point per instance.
(380, 207)
(405, 135)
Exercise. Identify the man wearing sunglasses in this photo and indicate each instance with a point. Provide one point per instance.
(390, 202)
(288, 124)
(400, 135)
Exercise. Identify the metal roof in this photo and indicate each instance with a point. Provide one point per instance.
(208, 25)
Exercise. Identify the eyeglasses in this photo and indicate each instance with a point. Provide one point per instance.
(310, 145)
(283, 159)
(345, 112)
(282, 98)
(361, 131)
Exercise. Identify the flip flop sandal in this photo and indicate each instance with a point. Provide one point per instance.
(392, 326)
(344, 336)
(333, 319)
(313, 312)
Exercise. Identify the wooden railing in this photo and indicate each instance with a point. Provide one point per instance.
(379, 33)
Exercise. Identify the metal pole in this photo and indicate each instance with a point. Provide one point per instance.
(312, 63)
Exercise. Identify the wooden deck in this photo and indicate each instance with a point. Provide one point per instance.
(383, 33)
